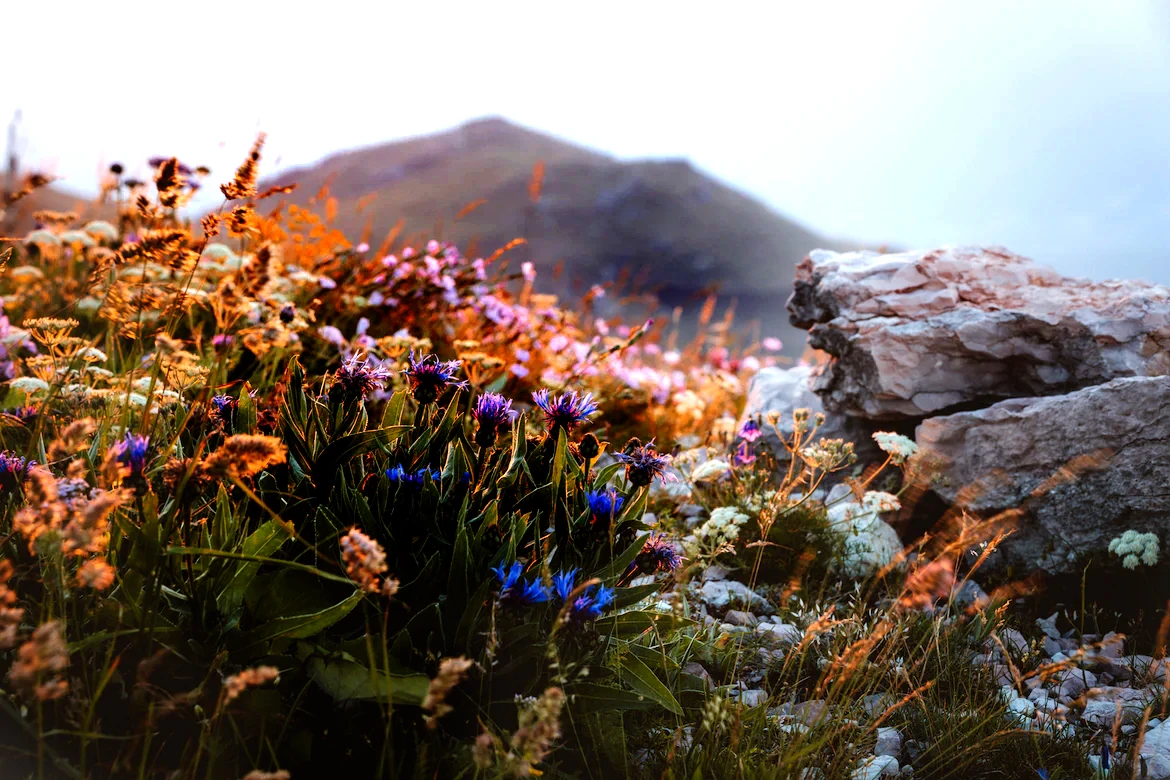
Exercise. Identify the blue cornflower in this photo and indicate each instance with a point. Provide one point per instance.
(356, 379)
(513, 590)
(494, 413)
(604, 505)
(643, 464)
(131, 453)
(564, 582)
(564, 411)
(1043, 774)
(430, 376)
(415, 479)
(223, 407)
(590, 604)
(658, 554)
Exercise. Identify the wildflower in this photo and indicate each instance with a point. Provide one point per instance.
(515, 591)
(13, 470)
(877, 502)
(589, 448)
(416, 479)
(236, 684)
(29, 385)
(772, 344)
(538, 732)
(898, 447)
(244, 455)
(364, 559)
(750, 431)
(130, 454)
(927, 584)
(95, 573)
(10, 613)
(743, 455)
(494, 414)
(564, 582)
(40, 662)
(1134, 548)
(604, 504)
(710, 471)
(223, 340)
(451, 673)
(643, 464)
(429, 377)
(828, 454)
(223, 408)
(259, 774)
(564, 411)
(43, 511)
(590, 604)
(658, 554)
(355, 380)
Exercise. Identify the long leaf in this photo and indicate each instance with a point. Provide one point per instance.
(261, 543)
(639, 677)
(302, 626)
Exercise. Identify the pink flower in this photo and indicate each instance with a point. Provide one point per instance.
(519, 370)
(331, 334)
(523, 355)
(602, 326)
(751, 363)
(362, 248)
(327, 283)
(772, 344)
(558, 343)
(432, 247)
(529, 271)
(671, 358)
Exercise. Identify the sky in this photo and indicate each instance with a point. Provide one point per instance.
(1041, 126)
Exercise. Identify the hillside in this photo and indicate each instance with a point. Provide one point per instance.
(676, 230)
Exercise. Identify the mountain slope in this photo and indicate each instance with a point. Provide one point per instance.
(672, 227)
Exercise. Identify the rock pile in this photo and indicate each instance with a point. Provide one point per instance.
(1030, 390)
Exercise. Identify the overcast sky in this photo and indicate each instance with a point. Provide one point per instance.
(1041, 126)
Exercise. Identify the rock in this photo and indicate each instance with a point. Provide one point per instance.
(1022, 708)
(1013, 641)
(1106, 705)
(753, 697)
(1156, 751)
(698, 670)
(969, 594)
(1112, 645)
(875, 767)
(1074, 682)
(785, 633)
(715, 572)
(916, 333)
(781, 391)
(877, 703)
(738, 617)
(889, 742)
(1048, 626)
(720, 593)
(870, 542)
(1000, 456)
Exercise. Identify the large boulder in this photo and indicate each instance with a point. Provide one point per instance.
(1084, 467)
(921, 333)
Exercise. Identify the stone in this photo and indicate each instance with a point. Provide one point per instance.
(876, 766)
(785, 633)
(1013, 641)
(738, 617)
(970, 595)
(753, 697)
(870, 542)
(1011, 455)
(781, 391)
(720, 593)
(1156, 751)
(1074, 682)
(889, 742)
(919, 333)
(698, 670)
(1106, 705)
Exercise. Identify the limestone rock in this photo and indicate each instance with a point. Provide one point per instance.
(1156, 751)
(870, 542)
(916, 333)
(1112, 436)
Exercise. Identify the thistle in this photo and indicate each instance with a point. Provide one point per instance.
(130, 454)
(223, 408)
(658, 554)
(429, 377)
(589, 604)
(494, 414)
(643, 464)
(13, 470)
(355, 380)
(604, 505)
(564, 411)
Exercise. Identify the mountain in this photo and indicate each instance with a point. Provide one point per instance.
(662, 225)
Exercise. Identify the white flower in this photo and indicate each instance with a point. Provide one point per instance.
(712, 470)
(876, 501)
(1134, 548)
(29, 384)
(899, 448)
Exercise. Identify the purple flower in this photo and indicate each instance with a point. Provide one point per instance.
(222, 340)
(744, 455)
(355, 379)
(590, 604)
(429, 377)
(494, 414)
(643, 464)
(515, 591)
(565, 411)
(223, 408)
(13, 469)
(658, 554)
(750, 431)
(564, 582)
(131, 453)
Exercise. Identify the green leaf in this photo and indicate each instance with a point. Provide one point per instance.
(497, 384)
(621, 564)
(302, 626)
(628, 597)
(643, 681)
(342, 450)
(519, 450)
(245, 420)
(262, 542)
(346, 680)
(631, 624)
(605, 475)
(593, 697)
